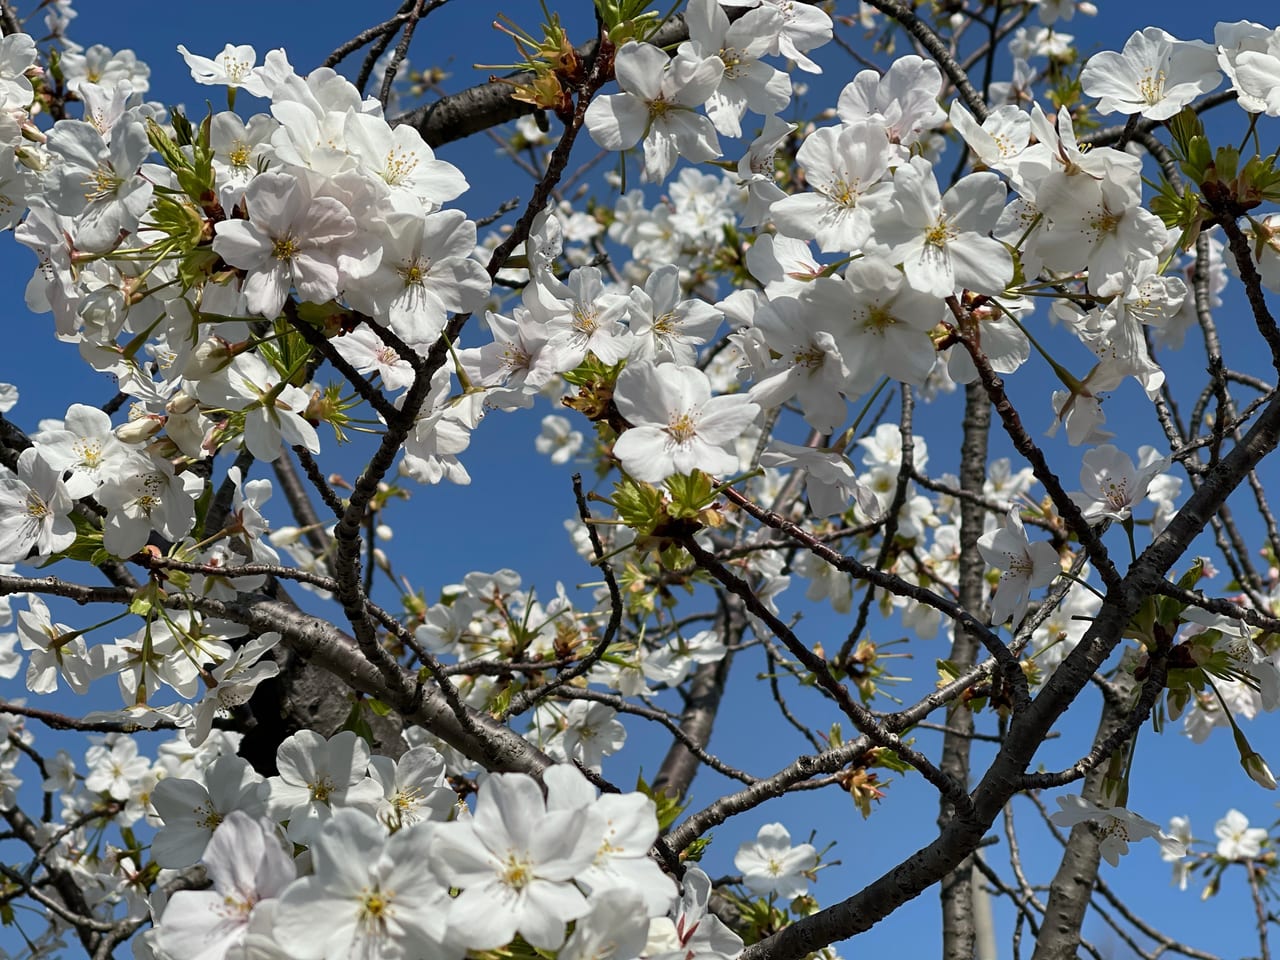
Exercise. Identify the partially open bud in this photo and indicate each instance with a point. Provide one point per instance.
(211, 355)
(140, 429)
(180, 403)
(1258, 770)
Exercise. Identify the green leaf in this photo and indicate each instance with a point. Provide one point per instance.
(1185, 127)
(668, 808)
(694, 851)
(358, 723)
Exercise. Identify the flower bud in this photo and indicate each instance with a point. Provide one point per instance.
(181, 402)
(139, 429)
(210, 355)
(1258, 770)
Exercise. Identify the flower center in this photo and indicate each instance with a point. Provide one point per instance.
(375, 908)
(516, 873)
(939, 234)
(322, 789)
(1152, 87)
(844, 194)
(239, 154)
(102, 183)
(399, 166)
(236, 69)
(414, 272)
(37, 508)
(682, 427)
(285, 248)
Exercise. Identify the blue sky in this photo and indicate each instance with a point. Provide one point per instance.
(511, 514)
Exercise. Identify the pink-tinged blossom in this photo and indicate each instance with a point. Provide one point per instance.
(904, 101)
(35, 510)
(1155, 75)
(784, 265)
(677, 426)
(368, 354)
(247, 864)
(1027, 566)
(694, 932)
(1113, 484)
(941, 239)
(657, 104)
(292, 239)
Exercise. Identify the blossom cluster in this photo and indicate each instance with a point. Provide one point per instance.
(214, 269)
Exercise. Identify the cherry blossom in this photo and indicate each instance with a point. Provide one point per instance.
(247, 865)
(370, 895)
(1155, 75)
(291, 238)
(515, 861)
(941, 240)
(233, 67)
(35, 510)
(1026, 567)
(771, 865)
(1236, 839)
(1249, 54)
(1113, 484)
(657, 105)
(845, 167)
(676, 425)
(1117, 825)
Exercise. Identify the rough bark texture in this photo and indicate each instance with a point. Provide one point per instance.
(1072, 884)
(1029, 726)
(680, 766)
(958, 924)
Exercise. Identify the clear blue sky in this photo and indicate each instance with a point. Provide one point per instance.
(511, 515)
